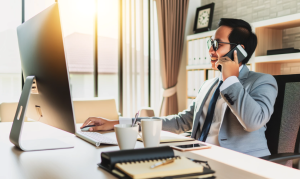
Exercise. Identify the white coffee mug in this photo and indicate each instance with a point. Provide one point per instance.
(126, 135)
(151, 129)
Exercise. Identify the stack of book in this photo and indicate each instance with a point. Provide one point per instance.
(198, 52)
(195, 81)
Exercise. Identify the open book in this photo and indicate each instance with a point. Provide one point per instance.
(166, 136)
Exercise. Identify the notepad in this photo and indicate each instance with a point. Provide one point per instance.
(170, 137)
(141, 169)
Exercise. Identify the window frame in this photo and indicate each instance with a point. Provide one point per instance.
(120, 54)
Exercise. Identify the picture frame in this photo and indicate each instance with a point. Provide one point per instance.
(203, 19)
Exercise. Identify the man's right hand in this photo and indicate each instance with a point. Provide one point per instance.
(100, 124)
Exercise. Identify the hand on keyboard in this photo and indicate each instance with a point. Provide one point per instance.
(100, 124)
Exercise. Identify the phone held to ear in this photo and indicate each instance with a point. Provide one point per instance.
(241, 54)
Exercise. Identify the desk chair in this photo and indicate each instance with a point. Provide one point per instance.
(146, 112)
(106, 108)
(283, 129)
(7, 111)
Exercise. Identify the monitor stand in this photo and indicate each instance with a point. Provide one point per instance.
(30, 87)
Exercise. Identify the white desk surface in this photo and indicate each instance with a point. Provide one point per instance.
(80, 161)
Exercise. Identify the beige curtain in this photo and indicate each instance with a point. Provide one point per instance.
(135, 56)
(171, 15)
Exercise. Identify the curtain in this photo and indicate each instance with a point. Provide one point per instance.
(135, 56)
(171, 15)
(156, 83)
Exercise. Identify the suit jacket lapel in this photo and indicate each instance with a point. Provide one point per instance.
(200, 101)
(203, 95)
(243, 75)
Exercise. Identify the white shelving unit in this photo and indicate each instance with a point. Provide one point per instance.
(269, 34)
(282, 58)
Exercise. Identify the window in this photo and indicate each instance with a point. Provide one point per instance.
(108, 43)
(78, 27)
(78, 23)
(10, 64)
(77, 18)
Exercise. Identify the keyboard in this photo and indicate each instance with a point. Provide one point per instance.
(95, 138)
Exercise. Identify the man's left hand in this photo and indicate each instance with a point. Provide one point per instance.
(229, 67)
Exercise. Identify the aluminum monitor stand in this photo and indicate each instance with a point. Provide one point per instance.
(30, 87)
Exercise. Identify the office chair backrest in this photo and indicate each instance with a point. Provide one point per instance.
(7, 111)
(283, 129)
(105, 108)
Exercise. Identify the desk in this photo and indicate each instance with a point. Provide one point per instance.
(80, 161)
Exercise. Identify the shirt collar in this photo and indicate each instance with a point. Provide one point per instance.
(240, 68)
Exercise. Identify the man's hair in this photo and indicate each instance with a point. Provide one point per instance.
(241, 34)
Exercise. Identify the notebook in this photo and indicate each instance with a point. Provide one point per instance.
(141, 169)
(135, 163)
(166, 137)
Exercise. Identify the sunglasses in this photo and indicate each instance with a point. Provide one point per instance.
(215, 44)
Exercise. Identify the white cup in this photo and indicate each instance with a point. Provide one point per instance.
(151, 129)
(126, 135)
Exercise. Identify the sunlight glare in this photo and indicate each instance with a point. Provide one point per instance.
(86, 7)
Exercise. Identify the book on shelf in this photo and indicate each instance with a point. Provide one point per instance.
(210, 74)
(207, 56)
(191, 83)
(189, 102)
(197, 51)
(193, 52)
(190, 53)
(196, 82)
(202, 52)
(199, 80)
(217, 73)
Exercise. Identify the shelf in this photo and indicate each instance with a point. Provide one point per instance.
(201, 35)
(197, 67)
(283, 22)
(282, 58)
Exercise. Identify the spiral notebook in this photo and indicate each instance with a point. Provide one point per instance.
(141, 169)
(136, 163)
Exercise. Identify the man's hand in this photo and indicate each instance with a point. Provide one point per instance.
(100, 124)
(229, 67)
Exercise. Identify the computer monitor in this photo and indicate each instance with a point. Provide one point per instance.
(46, 93)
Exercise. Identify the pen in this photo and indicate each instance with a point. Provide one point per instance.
(136, 116)
(165, 162)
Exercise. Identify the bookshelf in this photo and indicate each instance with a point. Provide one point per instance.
(269, 33)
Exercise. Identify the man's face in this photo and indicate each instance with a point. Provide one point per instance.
(221, 35)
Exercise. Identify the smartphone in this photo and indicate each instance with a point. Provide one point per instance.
(241, 53)
(189, 147)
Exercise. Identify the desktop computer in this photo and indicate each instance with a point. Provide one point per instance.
(46, 93)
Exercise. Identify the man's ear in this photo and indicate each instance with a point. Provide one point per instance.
(243, 46)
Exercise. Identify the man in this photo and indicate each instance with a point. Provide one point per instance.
(230, 111)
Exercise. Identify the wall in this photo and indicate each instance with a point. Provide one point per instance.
(181, 86)
(250, 11)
